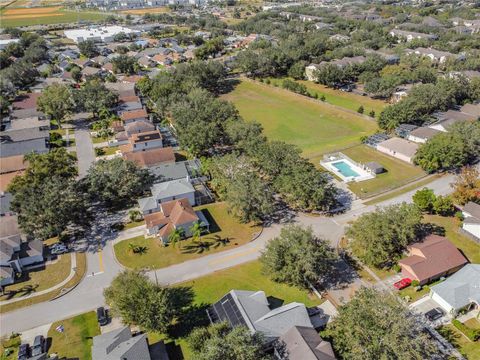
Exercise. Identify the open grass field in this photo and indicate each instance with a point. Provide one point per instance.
(76, 341)
(39, 279)
(469, 349)
(315, 127)
(397, 173)
(225, 233)
(346, 100)
(14, 17)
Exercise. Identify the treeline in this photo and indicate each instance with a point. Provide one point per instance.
(247, 170)
(425, 99)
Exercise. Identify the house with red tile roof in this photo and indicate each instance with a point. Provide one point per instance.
(173, 215)
(431, 259)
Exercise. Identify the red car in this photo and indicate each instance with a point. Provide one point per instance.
(402, 284)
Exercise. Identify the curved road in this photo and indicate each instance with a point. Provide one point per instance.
(102, 266)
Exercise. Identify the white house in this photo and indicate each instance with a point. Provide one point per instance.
(167, 191)
(399, 148)
(459, 291)
(4, 42)
(98, 34)
(422, 134)
(471, 222)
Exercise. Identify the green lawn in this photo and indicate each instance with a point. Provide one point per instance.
(133, 224)
(97, 140)
(315, 127)
(12, 345)
(347, 100)
(397, 173)
(62, 16)
(415, 295)
(39, 279)
(109, 150)
(222, 226)
(211, 288)
(470, 248)
(76, 341)
(469, 349)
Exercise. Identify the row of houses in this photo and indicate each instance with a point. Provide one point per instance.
(405, 146)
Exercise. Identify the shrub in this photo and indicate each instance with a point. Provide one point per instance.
(396, 268)
(99, 152)
(371, 113)
(472, 334)
(459, 215)
(415, 283)
(267, 81)
(360, 109)
(323, 98)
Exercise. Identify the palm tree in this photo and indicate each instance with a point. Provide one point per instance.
(196, 230)
(176, 235)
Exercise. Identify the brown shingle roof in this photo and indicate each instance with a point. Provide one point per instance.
(148, 158)
(27, 101)
(134, 114)
(144, 136)
(12, 163)
(433, 256)
(6, 179)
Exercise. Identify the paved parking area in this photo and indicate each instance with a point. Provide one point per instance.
(426, 304)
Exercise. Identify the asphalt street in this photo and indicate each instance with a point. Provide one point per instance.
(102, 265)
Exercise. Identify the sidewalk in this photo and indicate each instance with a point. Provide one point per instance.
(73, 260)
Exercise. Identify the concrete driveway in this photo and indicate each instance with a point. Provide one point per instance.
(424, 305)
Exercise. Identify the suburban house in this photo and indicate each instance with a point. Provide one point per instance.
(120, 344)
(471, 221)
(450, 117)
(411, 35)
(189, 169)
(341, 63)
(303, 343)
(15, 252)
(252, 310)
(459, 291)
(133, 115)
(9, 168)
(143, 141)
(167, 191)
(5, 202)
(152, 157)
(399, 148)
(173, 215)
(433, 54)
(422, 134)
(136, 127)
(21, 142)
(431, 259)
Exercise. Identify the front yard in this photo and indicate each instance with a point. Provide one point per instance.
(39, 279)
(76, 341)
(225, 233)
(468, 348)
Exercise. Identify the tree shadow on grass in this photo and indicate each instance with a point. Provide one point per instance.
(429, 229)
(194, 316)
(228, 86)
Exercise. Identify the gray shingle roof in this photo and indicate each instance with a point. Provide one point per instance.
(22, 148)
(23, 135)
(119, 344)
(172, 188)
(168, 172)
(147, 204)
(304, 343)
(473, 209)
(462, 288)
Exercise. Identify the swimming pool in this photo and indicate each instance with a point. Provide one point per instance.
(345, 169)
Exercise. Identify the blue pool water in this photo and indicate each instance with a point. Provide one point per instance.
(345, 169)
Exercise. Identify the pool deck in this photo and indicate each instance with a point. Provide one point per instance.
(362, 173)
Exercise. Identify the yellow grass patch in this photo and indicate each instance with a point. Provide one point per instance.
(158, 10)
(31, 16)
(32, 11)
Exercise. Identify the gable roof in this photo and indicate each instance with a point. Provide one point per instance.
(26, 101)
(119, 344)
(149, 157)
(433, 256)
(139, 126)
(251, 309)
(133, 114)
(400, 146)
(304, 343)
(424, 132)
(24, 147)
(23, 135)
(12, 164)
(172, 188)
(462, 288)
